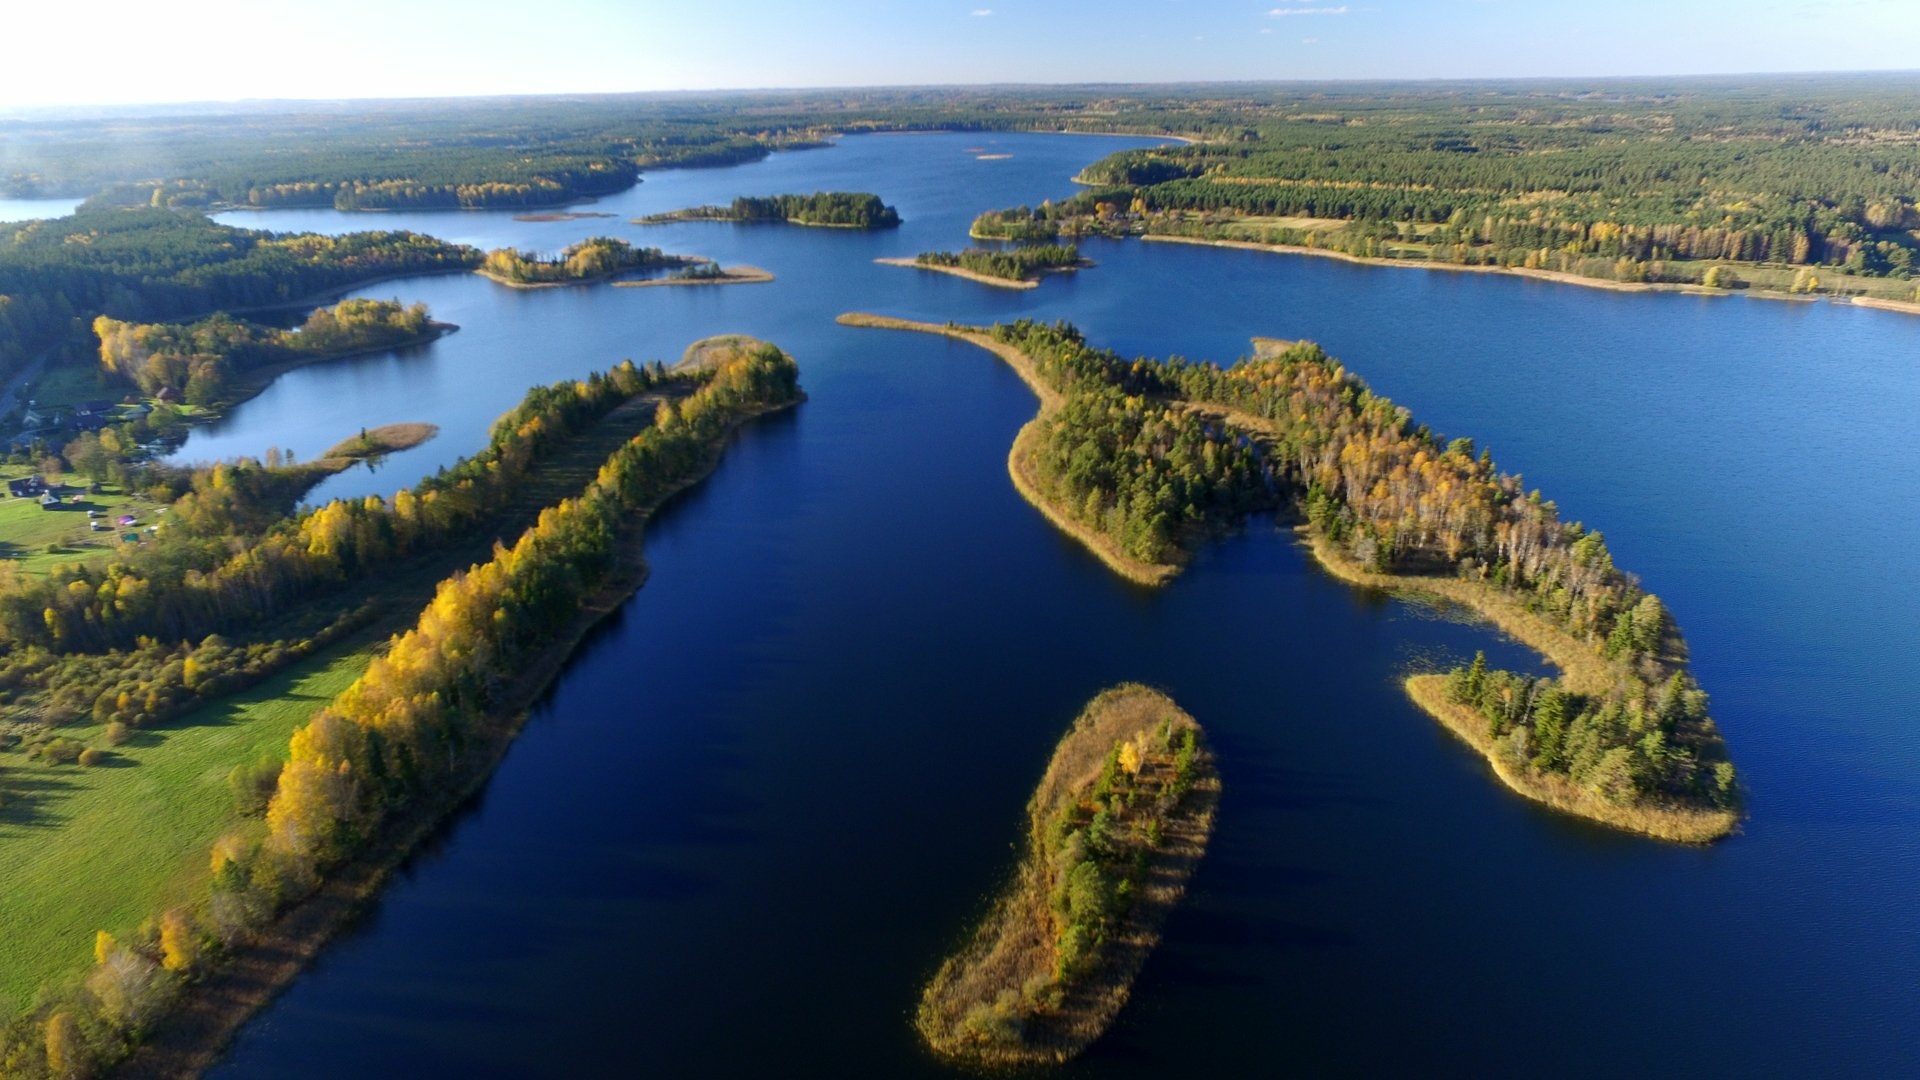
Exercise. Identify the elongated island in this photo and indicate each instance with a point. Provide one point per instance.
(1115, 830)
(822, 209)
(1142, 460)
(1017, 268)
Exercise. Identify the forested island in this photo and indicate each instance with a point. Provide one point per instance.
(830, 209)
(594, 259)
(1116, 828)
(1016, 268)
(423, 724)
(1140, 459)
(220, 359)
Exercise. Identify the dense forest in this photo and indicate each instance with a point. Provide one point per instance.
(201, 361)
(1018, 264)
(57, 276)
(1118, 822)
(842, 209)
(162, 626)
(420, 723)
(1397, 499)
(589, 260)
(1633, 182)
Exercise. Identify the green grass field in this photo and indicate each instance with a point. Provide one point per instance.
(26, 529)
(105, 848)
(63, 386)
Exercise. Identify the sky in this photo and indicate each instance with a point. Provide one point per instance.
(140, 51)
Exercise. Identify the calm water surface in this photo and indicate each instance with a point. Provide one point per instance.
(35, 209)
(778, 786)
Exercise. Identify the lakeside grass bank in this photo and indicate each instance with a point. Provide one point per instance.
(1131, 793)
(385, 439)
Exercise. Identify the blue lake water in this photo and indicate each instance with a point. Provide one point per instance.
(776, 787)
(35, 209)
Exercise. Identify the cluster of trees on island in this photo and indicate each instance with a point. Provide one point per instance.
(201, 361)
(842, 209)
(1395, 499)
(419, 726)
(1017, 264)
(1115, 827)
(57, 276)
(591, 259)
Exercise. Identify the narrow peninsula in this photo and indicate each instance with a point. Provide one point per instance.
(1115, 830)
(822, 209)
(703, 273)
(1140, 460)
(431, 713)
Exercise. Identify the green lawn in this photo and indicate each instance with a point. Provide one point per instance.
(63, 386)
(26, 529)
(105, 848)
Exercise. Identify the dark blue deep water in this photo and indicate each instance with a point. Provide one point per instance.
(780, 784)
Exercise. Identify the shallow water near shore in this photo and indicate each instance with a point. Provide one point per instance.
(771, 792)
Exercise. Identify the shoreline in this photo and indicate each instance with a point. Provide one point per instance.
(987, 279)
(591, 279)
(736, 275)
(675, 217)
(327, 296)
(960, 272)
(1557, 277)
(1096, 543)
(1904, 307)
(193, 1037)
(1010, 946)
(1659, 822)
(1582, 671)
(256, 381)
(379, 442)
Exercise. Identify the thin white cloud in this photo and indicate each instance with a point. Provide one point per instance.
(1281, 12)
(982, 12)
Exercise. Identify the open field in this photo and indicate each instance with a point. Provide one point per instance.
(28, 531)
(101, 848)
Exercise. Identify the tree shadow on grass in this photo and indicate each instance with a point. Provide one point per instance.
(26, 801)
(229, 711)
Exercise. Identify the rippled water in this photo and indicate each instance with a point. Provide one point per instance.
(777, 786)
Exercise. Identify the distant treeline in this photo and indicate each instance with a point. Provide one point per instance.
(145, 266)
(200, 361)
(1018, 264)
(847, 209)
(596, 257)
(1142, 448)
